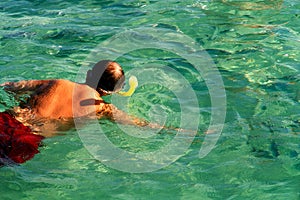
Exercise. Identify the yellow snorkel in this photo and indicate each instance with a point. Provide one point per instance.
(133, 83)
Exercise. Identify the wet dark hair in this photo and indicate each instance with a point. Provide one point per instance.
(107, 76)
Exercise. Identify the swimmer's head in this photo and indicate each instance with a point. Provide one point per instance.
(106, 77)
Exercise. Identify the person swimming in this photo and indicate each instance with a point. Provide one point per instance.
(23, 128)
(64, 99)
(51, 105)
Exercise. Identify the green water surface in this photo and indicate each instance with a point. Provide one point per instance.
(255, 46)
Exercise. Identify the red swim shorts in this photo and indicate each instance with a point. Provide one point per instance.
(17, 143)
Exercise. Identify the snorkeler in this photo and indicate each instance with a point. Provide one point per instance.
(64, 99)
(59, 100)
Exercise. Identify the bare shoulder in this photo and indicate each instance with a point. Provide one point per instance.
(61, 85)
(60, 82)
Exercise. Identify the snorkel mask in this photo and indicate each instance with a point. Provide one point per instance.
(133, 83)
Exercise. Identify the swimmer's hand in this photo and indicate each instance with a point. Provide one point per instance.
(133, 83)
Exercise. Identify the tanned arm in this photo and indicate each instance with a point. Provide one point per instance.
(113, 113)
(119, 116)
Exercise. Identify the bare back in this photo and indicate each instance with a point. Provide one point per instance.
(64, 99)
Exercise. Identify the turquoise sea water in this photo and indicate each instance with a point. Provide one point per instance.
(255, 46)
